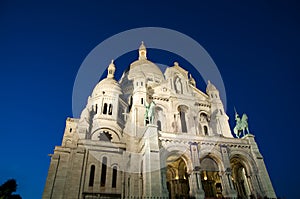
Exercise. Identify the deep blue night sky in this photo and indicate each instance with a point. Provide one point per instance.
(255, 45)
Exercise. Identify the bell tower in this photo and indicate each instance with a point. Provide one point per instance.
(219, 119)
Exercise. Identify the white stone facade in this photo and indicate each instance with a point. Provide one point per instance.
(188, 151)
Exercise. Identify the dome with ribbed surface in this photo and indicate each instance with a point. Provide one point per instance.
(210, 87)
(106, 85)
(145, 68)
(109, 84)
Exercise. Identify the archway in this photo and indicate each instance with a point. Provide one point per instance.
(182, 109)
(177, 177)
(210, 178)
(241, 182)
(160, 118)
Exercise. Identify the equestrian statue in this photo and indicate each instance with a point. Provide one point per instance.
(241, 125)
(149, 113)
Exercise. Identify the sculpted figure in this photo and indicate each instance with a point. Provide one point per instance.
(149, 113)
(241, 125)
(178, 85)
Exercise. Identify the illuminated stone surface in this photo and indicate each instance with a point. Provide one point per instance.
(188, 151)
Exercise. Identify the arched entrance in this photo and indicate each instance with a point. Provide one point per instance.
(210, 178)
(239, 178)
(177, 177)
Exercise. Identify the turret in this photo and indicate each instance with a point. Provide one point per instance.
(219, 119)
(103, 105)
(142, 76)
(142, 52)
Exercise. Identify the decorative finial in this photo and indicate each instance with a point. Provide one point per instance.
(111, 70)
(142, 51)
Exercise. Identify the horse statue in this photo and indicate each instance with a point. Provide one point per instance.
(149, 113)
(241, 125)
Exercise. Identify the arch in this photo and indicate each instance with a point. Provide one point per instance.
(68, 142)
(205, 130)
(103, 171)
(116, 137)
(110, 109)
(96, 108)
(203, 117)
(179, 150)
(105, 136)
(210, 179)
(243, 167)
(114, 176)
(214, 154)
(92, 175)
(209, 164)
(158, 123)
(160, 118)
(246, 159)
(104, 108)
(177, 176)
(183, 109)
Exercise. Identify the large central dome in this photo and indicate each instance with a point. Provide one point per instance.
(145, 68)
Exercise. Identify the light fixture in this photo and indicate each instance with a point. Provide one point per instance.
(205, 176)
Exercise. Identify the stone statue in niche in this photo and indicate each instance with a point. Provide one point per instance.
(178, 85)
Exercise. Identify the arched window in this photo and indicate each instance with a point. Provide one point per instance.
(96, 108)
(183, 122)
(182, 109)
(203, 117)
(130, 103)
(114, 177)
(70, 130)
(205, 130)
(103, 171)
(105, 108)
(110, 109)
(142, 100)
(92, 176)
(158, 125)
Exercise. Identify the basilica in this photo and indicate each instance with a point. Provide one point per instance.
(155, 135)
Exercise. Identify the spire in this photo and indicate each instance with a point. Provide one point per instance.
(142, 51)
(111, 70)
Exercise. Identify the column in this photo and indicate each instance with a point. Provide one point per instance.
(196, 189)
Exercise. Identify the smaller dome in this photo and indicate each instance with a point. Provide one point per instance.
(210, 87)
(106, 85)
(109, 84)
